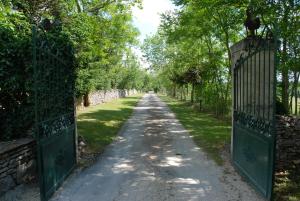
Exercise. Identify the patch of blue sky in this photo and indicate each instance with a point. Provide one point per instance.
(147, 20)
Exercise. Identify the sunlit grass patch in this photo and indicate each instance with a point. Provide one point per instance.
(208, 132)
(100, 124)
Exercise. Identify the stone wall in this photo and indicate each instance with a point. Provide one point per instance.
(17, 163)
(103, 96)
(288, 142)
(99, 97)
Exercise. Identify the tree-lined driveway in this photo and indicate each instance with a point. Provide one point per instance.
(155, 159)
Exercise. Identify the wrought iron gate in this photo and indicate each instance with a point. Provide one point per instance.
(254, 113)
(54, 111)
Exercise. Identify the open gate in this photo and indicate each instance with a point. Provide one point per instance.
(54, 110)
(254, 100)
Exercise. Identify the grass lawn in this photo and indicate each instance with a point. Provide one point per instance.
(208, 132)
(100, 124)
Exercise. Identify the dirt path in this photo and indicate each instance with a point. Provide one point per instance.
(154, 159)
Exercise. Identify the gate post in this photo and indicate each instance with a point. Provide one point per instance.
(253, 110)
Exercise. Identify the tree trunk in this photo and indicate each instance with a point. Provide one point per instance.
(86, 101)
(187, 91)
(227, 45)
(78, 6)
(174, 92)
(285, 78)
(296, 100)
(285, 69)
(200, 97)
(192, 93)
(181, 96)
(295, 93)
(184, 93)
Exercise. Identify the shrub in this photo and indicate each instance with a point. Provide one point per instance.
(16, 112)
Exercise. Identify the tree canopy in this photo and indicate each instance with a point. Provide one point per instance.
(192, 47)
(102, 35)
(189, 56)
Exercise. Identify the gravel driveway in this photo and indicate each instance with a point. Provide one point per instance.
(154, 159)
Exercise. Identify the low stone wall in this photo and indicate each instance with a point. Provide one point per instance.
(17, 163)
(99, 97)
(103, 96)
(288, 142)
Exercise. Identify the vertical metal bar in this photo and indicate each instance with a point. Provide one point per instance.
(243, 86)
(264, 81)
(54, 95)
(234, 87)
(240, 88)
(36, 57)
(242, 91)
(37, 135)
(269, 87)
(50, 84)
(251, 84)
(247, 70)
(34, 63)
(255, 72)
(259, 71)
(274, 80)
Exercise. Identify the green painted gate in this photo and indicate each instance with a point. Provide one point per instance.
(254, 113)
(54, 110)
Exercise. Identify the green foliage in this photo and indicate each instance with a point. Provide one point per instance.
(192, 48)
(101, 33)
(198, 38)
(15, 74)
(102, 40)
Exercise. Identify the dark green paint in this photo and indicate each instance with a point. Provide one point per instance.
(54, 111)
(254, 114)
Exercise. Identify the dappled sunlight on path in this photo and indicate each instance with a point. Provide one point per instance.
(154, 159)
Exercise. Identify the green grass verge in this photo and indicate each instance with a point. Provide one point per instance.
(208, 132)
(100, 124)
(212, 134)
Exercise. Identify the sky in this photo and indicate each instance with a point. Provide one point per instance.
(147, 19)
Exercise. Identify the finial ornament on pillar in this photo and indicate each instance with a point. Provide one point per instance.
(252, 23)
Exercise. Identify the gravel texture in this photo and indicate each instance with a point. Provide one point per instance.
(154, 159)
(28, 192)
